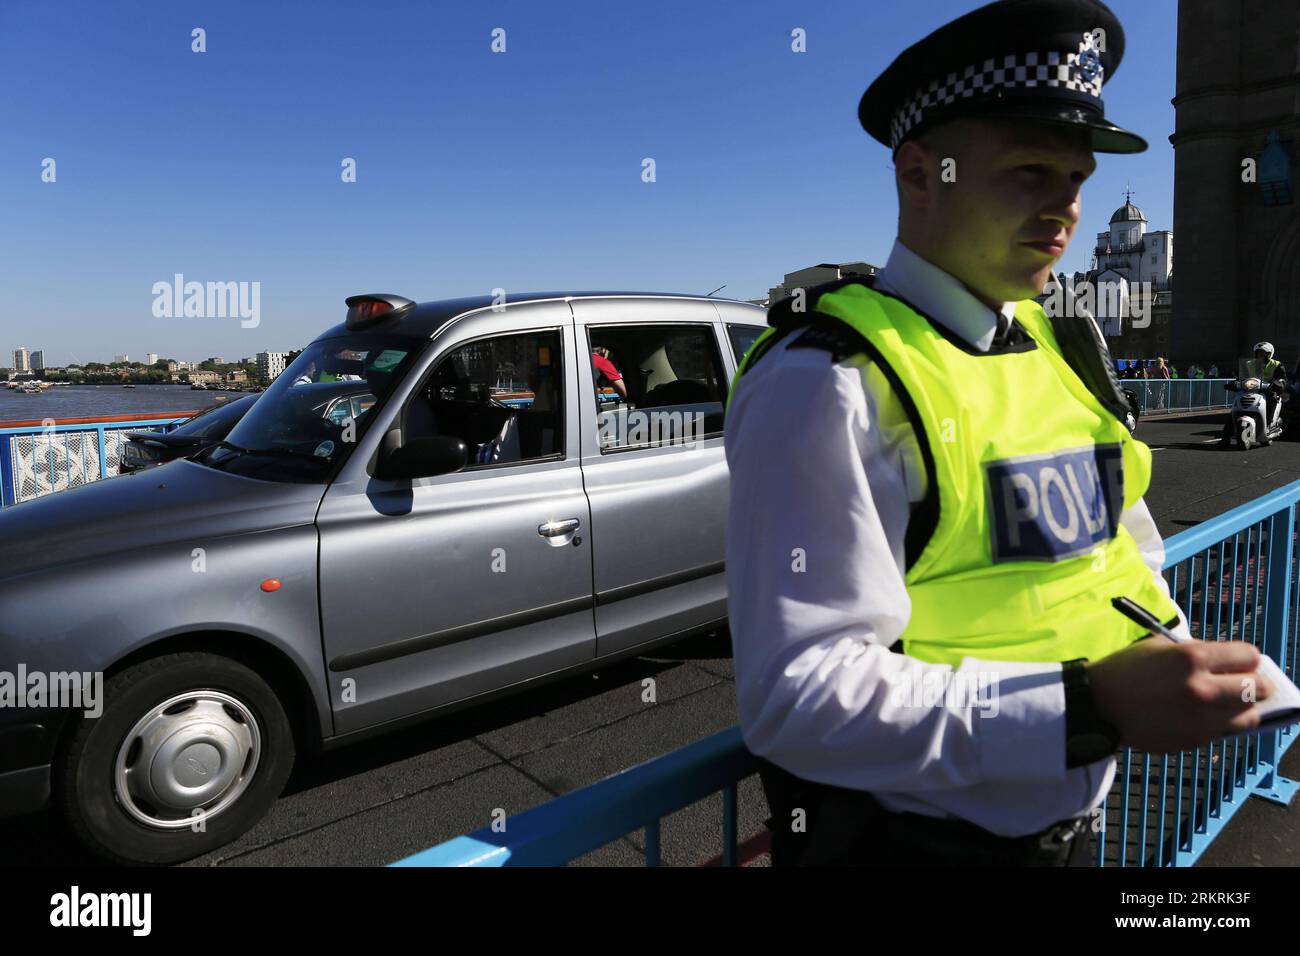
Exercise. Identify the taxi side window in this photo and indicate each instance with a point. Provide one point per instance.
(673, 385)
(502, 396)
(742, 337)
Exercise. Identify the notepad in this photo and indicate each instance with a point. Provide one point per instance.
(1283, 707)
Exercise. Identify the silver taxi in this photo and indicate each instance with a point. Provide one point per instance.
(433, 505)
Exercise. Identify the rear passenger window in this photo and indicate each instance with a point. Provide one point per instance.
(502, 396)
(742, 337)
(656, 384)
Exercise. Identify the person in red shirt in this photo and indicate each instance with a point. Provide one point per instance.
(604, 367)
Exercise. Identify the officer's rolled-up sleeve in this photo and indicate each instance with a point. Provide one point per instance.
(816, 594)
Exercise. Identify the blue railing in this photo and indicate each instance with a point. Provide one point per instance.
(1234, 576)
(36, 460)
(1157, 396)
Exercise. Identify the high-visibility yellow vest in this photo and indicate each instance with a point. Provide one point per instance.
(1028, 475)
(1262, 371)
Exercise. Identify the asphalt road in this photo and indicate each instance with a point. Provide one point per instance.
(377, 802)
(1194, 477)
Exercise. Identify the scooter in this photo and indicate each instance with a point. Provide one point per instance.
(1246, 425)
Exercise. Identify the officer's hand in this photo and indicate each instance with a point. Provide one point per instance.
(1165, 696)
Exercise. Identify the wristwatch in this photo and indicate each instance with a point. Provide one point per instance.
(1088, 738)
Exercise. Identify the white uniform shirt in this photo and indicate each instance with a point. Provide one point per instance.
(824, 462)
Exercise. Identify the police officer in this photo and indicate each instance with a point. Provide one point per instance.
(934, 497)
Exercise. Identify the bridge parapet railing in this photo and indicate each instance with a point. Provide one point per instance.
(38, 458)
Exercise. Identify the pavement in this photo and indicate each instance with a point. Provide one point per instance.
(382, 800)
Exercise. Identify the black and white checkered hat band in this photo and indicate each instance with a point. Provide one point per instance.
(1051, 70)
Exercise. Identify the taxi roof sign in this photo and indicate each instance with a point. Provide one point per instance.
(366, 310)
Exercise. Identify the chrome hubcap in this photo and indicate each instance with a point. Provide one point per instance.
(187, 759)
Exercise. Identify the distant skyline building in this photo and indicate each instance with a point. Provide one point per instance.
(816, 275)
(270, 364)
(24, 359)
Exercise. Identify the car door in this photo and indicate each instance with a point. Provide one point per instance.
(658, 504)
(439, 589)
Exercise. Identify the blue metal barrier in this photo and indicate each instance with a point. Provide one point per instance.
(1235, 577)
(37, 460)
(1156, 396)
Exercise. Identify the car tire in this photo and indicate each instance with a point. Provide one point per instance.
(220, 753)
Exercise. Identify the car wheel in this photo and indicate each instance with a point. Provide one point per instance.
(190, 751)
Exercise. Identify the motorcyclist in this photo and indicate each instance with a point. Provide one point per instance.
(1268, 370)
(1263, 366)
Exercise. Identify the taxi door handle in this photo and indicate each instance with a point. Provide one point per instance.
(554, 529)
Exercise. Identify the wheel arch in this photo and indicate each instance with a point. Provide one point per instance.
(264, 658)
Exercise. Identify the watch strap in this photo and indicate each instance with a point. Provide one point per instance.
(1088, 738)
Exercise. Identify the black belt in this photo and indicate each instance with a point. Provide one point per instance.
(845, 827)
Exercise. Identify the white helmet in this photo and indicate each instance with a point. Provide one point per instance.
(1265, 347)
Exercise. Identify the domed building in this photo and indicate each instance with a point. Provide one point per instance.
(1129, 250)
(1139, 266)
(1130, 284)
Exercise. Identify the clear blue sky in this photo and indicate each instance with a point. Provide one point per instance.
(475, 170)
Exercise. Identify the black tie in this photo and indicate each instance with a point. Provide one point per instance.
(1000, 337)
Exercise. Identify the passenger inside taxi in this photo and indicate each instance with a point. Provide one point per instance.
(665, 372)
(606, 372)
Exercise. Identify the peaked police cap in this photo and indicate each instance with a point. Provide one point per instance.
(1041, 60)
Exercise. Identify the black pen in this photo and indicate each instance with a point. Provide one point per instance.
(1138, 614)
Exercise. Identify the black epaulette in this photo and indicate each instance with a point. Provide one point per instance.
(821, 331)
(782, 314)
(829, 333)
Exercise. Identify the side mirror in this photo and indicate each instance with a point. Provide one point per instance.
(423, 458)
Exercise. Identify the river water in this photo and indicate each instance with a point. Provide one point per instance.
(95, 401)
